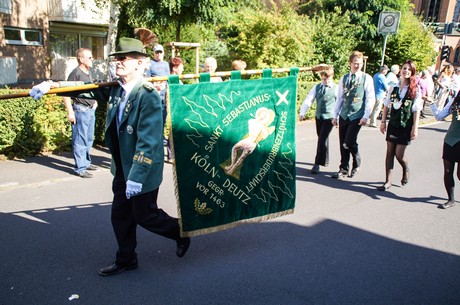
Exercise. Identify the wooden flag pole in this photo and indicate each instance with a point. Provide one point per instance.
(316, 68)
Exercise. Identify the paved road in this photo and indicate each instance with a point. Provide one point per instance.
(346, 243)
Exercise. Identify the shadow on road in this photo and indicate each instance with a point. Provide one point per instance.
(367, 188)
(46, 261)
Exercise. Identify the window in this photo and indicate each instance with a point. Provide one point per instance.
(25, 37)
(457, 55)
(6, 6)
(66, 39)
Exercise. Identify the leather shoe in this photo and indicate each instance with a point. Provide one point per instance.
(340, 174)
(315, 169)
(354, 172)
(116, 268)
(182, 246)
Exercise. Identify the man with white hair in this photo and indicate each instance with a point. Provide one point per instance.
(210, 66)
(392, 76)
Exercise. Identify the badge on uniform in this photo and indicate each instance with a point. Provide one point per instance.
(129, 129)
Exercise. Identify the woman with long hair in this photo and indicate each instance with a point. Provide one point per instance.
(404, 101)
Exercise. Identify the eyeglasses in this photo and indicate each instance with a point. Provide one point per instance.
(158, 52)
(90, 58)
(122, 59)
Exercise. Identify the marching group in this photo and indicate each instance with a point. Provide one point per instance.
(357, 101)
(136, 116)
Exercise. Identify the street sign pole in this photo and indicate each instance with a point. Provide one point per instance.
(388, 24)
(385, 35)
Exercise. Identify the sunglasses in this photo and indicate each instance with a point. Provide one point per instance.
(158, 52)
(122, 59)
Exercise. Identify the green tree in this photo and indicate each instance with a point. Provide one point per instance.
(331, 39)
(268, 38)
(177, 13)
(413, 41)
(365, 16)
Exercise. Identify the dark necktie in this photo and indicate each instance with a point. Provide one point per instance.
(352, 81)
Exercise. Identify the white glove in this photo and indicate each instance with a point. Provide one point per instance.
(133, 188)
(39, 90)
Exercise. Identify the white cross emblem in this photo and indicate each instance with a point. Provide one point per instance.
(282, 97)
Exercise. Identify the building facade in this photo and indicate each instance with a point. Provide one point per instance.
(39, 39)
(441, 12)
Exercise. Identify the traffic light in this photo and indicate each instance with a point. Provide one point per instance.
(445, 52)
(448, 28)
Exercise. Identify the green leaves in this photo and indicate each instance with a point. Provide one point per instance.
(269, 38)
(29, 127)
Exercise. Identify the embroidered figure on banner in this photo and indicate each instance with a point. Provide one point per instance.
(258, 130)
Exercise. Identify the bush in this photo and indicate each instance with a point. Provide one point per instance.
(29, 127)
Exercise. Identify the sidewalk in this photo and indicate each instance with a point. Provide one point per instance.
(47, 168)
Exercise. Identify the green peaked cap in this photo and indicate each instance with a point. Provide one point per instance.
(129, 45)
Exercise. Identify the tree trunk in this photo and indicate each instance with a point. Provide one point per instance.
(113, 25)
(178, 25)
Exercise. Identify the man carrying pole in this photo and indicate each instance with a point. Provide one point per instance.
(134, 135)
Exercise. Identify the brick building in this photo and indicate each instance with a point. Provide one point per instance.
(441, 12)
(38, 39)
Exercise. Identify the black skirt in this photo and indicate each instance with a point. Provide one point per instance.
(451, 153)
(399, 135)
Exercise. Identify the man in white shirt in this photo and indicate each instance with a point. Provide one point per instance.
(355, 100)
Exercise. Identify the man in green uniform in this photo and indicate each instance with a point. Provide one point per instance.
(134, 135)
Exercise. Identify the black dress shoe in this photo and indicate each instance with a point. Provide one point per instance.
(340, 174)
(116, 268)
(182, 246)
(315, 169)
(354, 172)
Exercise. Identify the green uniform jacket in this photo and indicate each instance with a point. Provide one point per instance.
(140, 135)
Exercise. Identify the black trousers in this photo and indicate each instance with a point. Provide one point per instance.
(323, 129)
(138, 210)
(348, 134)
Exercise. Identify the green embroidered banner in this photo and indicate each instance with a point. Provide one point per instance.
(234, 150)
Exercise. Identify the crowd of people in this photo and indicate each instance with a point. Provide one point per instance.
(398, 97)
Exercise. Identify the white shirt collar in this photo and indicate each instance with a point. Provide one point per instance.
(128, 87)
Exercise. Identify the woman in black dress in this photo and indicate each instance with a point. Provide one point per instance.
(451, 148)
(404, 102)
